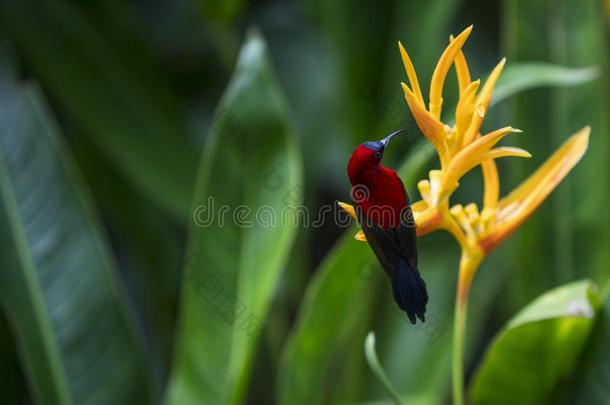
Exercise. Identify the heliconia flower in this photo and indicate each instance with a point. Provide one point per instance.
(516, 207)
(461, 147)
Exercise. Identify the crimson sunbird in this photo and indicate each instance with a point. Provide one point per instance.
(386, 218)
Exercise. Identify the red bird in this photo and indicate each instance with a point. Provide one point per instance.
(387, 221)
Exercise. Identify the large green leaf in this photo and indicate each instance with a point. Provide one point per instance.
(590, 379)
(538, 347)
(522, 76)
(75, 337)
(150, 248)
(101, 77)
(316, 353)
(333, 315)
(252, 160)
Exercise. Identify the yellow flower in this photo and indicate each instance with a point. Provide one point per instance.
(461, 147)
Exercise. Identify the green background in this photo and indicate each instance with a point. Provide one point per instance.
(119, 120)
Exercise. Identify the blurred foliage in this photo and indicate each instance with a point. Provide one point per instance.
(58, 287)
(101, 191)
(251, 159)
(571, 235)
(110, 87)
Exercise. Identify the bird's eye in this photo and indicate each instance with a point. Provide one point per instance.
(378, 155)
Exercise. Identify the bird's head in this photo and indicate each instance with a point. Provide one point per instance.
(368, 155)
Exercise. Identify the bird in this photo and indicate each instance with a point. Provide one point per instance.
(386, 218)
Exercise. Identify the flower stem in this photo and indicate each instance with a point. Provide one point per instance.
(468, 265)
(458, 351)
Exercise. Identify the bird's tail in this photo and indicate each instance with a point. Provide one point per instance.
(409, 290)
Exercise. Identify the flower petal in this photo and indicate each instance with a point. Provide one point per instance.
(431, 127)
(419, 207)
(410, 70)
(476, 119)
(504, 151)
(440, 72)
(491, 184)
(348, 208)
(352, 212)
(472, 155)
(514, 209)
(482, 103)
(461, 68)
(360, 236)
(484, 97)
(465, 108)
(427, 218)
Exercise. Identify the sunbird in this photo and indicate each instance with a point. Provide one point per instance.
(386, 218)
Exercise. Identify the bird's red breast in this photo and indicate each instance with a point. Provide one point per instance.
(376, 189)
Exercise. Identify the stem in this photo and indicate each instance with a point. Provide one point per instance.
(468, 265)
(373, 360)
(458, 351)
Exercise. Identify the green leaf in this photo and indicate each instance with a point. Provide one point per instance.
(58, 286)
(110, 90)
(518, 77)
(373, 360)
(538, 347)
(335, 312)
(150, 246)
(251, 160)
(590, 379)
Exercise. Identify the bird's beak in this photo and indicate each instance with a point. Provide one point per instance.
(388, 138)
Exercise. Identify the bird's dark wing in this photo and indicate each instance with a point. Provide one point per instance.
(396, 250)
(384, 243)
(390, 243)
(409, 290)
(407, 236)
